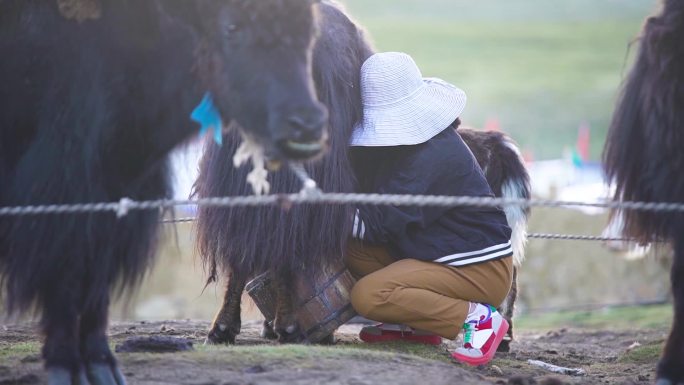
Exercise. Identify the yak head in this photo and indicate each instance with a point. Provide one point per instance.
(256, 60)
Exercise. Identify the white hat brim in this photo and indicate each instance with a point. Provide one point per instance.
(413, 120)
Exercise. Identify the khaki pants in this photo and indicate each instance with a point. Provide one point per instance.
(424, 295)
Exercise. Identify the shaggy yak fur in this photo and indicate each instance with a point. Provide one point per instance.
(242, 243)
(91, 107)
(644, 157)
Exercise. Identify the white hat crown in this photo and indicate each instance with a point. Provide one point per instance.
(400, 107)
(388, 78)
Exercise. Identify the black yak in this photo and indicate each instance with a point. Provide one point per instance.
(94, 95)
(241, 243)
(644, 159)
(246, 241)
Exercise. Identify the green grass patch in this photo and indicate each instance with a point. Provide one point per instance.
(503, 11)
(428, 352)
(646, 354)
(17, 351)
(646, 317)
(298, 356)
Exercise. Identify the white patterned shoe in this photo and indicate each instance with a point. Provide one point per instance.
(484, 330)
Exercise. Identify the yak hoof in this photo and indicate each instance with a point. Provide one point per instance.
(504, 346)
(217, 336)
(329, 340)
(267, 331)
(103, 374)
(289, 335)
(665, 381)
(670, 372)
(62, 376)
(100, 374)
(59, 376)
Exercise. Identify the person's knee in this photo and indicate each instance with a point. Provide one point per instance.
(366, 297)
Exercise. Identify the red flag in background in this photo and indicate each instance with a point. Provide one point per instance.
(492, 124)
(528, 155)
(583, 141)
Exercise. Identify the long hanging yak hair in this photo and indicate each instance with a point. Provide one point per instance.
(644, 153)
(252, 240)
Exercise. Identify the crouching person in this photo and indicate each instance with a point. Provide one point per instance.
(426, 272)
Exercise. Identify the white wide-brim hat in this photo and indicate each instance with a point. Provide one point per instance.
(400, 107)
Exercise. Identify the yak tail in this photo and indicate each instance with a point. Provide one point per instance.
(515, 184)
(517, 217)
(504, 168)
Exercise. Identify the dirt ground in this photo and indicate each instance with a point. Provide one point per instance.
(607, 357)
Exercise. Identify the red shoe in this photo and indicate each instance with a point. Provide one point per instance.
(484, 329)
(391, 332)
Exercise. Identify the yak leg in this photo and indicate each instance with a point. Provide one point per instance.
(100, 364)
(507, 309)
(227, 323)
(267, 330)
(285, 323)
(329, 340)
(671, 366)
(61, 348)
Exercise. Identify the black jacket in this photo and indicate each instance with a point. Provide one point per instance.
(444, 165)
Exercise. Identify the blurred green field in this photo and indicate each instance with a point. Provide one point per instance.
(622, 318)
(541, 67)
(570, 274)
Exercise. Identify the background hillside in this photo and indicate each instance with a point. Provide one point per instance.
(540, 67)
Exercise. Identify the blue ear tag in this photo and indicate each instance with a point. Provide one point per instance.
(208, 116)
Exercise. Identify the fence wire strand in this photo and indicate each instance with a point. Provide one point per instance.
(548, 236)
(312, 196)
(570, 237)
(126, 205)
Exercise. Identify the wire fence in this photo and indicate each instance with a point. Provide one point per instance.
(561, 237)
(311, 195)
(124, 206)
(590, 307)
(570, 237)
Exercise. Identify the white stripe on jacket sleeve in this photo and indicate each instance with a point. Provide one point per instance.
(468, 261)
(356, 224)
(359, 230)
(474, 253)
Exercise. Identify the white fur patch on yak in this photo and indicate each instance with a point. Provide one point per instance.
(258, 177)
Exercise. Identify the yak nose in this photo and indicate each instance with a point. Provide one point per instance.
(306, 133)
(307, 126)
